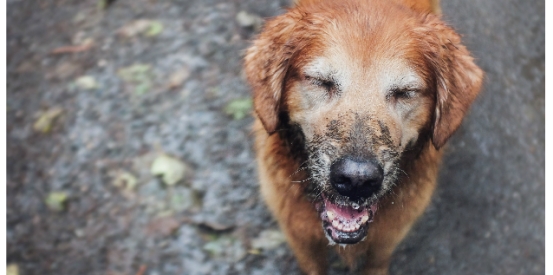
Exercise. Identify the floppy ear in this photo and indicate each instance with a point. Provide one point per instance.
(266, 64)
(458, 78)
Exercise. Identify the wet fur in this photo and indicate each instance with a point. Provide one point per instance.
(358, 141)
(296, 147)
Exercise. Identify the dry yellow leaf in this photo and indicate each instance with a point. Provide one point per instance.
(46, 120)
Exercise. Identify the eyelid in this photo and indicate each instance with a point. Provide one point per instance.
(316, 78)
(323, 82)
(403, 92)
(330, 86)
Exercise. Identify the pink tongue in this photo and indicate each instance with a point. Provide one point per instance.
(346, 213)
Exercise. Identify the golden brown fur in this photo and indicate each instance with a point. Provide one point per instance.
(364, 44)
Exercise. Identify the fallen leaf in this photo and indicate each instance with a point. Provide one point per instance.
(27, 66)
(124, 180)
(56, 200)
(155, 28)
(64, 70)
(79, 233)
(46, 120)
(142, 88)
(177, 78)
(212, 93)
(86, 82)
(139, 76)
(163, 226)
(239, 108)
(227, 247)
(12, 269)
(216, 247)
(248, 20)
(182, 198)
(170, 169)
(134, 28)
(146, 27)
(268, 239)
(134, 72)
(104, 4)
(83, 47)
(215, 225)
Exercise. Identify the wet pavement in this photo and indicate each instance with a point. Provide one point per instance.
(487, 216)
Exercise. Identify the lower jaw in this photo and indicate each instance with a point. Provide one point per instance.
(339, 237)
(359, 217)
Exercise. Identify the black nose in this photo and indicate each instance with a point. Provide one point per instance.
(356, 178)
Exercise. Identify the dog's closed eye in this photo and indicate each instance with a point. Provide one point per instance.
(329, 85)
(402, 93)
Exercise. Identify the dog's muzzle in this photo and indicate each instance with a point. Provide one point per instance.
(356, 178)
(347, 222)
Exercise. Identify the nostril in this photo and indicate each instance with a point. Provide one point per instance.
(356, 178)
(340, 182)
(342, 179)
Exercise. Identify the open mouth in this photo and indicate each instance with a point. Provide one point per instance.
(345, 224)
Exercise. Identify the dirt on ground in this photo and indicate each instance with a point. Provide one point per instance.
(129, 148)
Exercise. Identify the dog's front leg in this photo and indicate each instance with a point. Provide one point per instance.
(310, 252)
(301, 225)
(377, 263)
(309, 247)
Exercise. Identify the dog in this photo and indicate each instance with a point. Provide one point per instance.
(354, 101)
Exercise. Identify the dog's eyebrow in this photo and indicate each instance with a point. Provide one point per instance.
(406, 80)
(321, 69)
(331, 75)
(405, 86)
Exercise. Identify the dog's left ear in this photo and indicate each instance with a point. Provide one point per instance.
(266, 64)
(458, 78)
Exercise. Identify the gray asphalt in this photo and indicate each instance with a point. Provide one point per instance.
(488, 214)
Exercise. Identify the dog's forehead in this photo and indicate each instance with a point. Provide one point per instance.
(349, 72)
(360, 44)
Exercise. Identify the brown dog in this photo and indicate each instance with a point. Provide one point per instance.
(354, 99)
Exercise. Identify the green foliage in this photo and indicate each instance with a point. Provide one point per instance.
(239, 108)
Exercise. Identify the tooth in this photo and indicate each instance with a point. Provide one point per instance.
(364, 219)
(335, 223)
(357, 226)
(355, 205)
(330, 215)
(340, 227)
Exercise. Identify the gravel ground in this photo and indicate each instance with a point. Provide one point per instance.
(158, 80)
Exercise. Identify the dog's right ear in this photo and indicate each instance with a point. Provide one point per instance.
(266, 64)
(458, 78)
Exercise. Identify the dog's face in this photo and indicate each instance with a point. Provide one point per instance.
(368, 83)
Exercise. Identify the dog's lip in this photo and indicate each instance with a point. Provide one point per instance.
(345, 224)
(341, 237)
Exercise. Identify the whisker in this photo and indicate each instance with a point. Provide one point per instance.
(301, 168)
(301, 181)
(407, 175)
(290, 187)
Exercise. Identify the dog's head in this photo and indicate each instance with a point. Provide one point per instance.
(368, 83)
